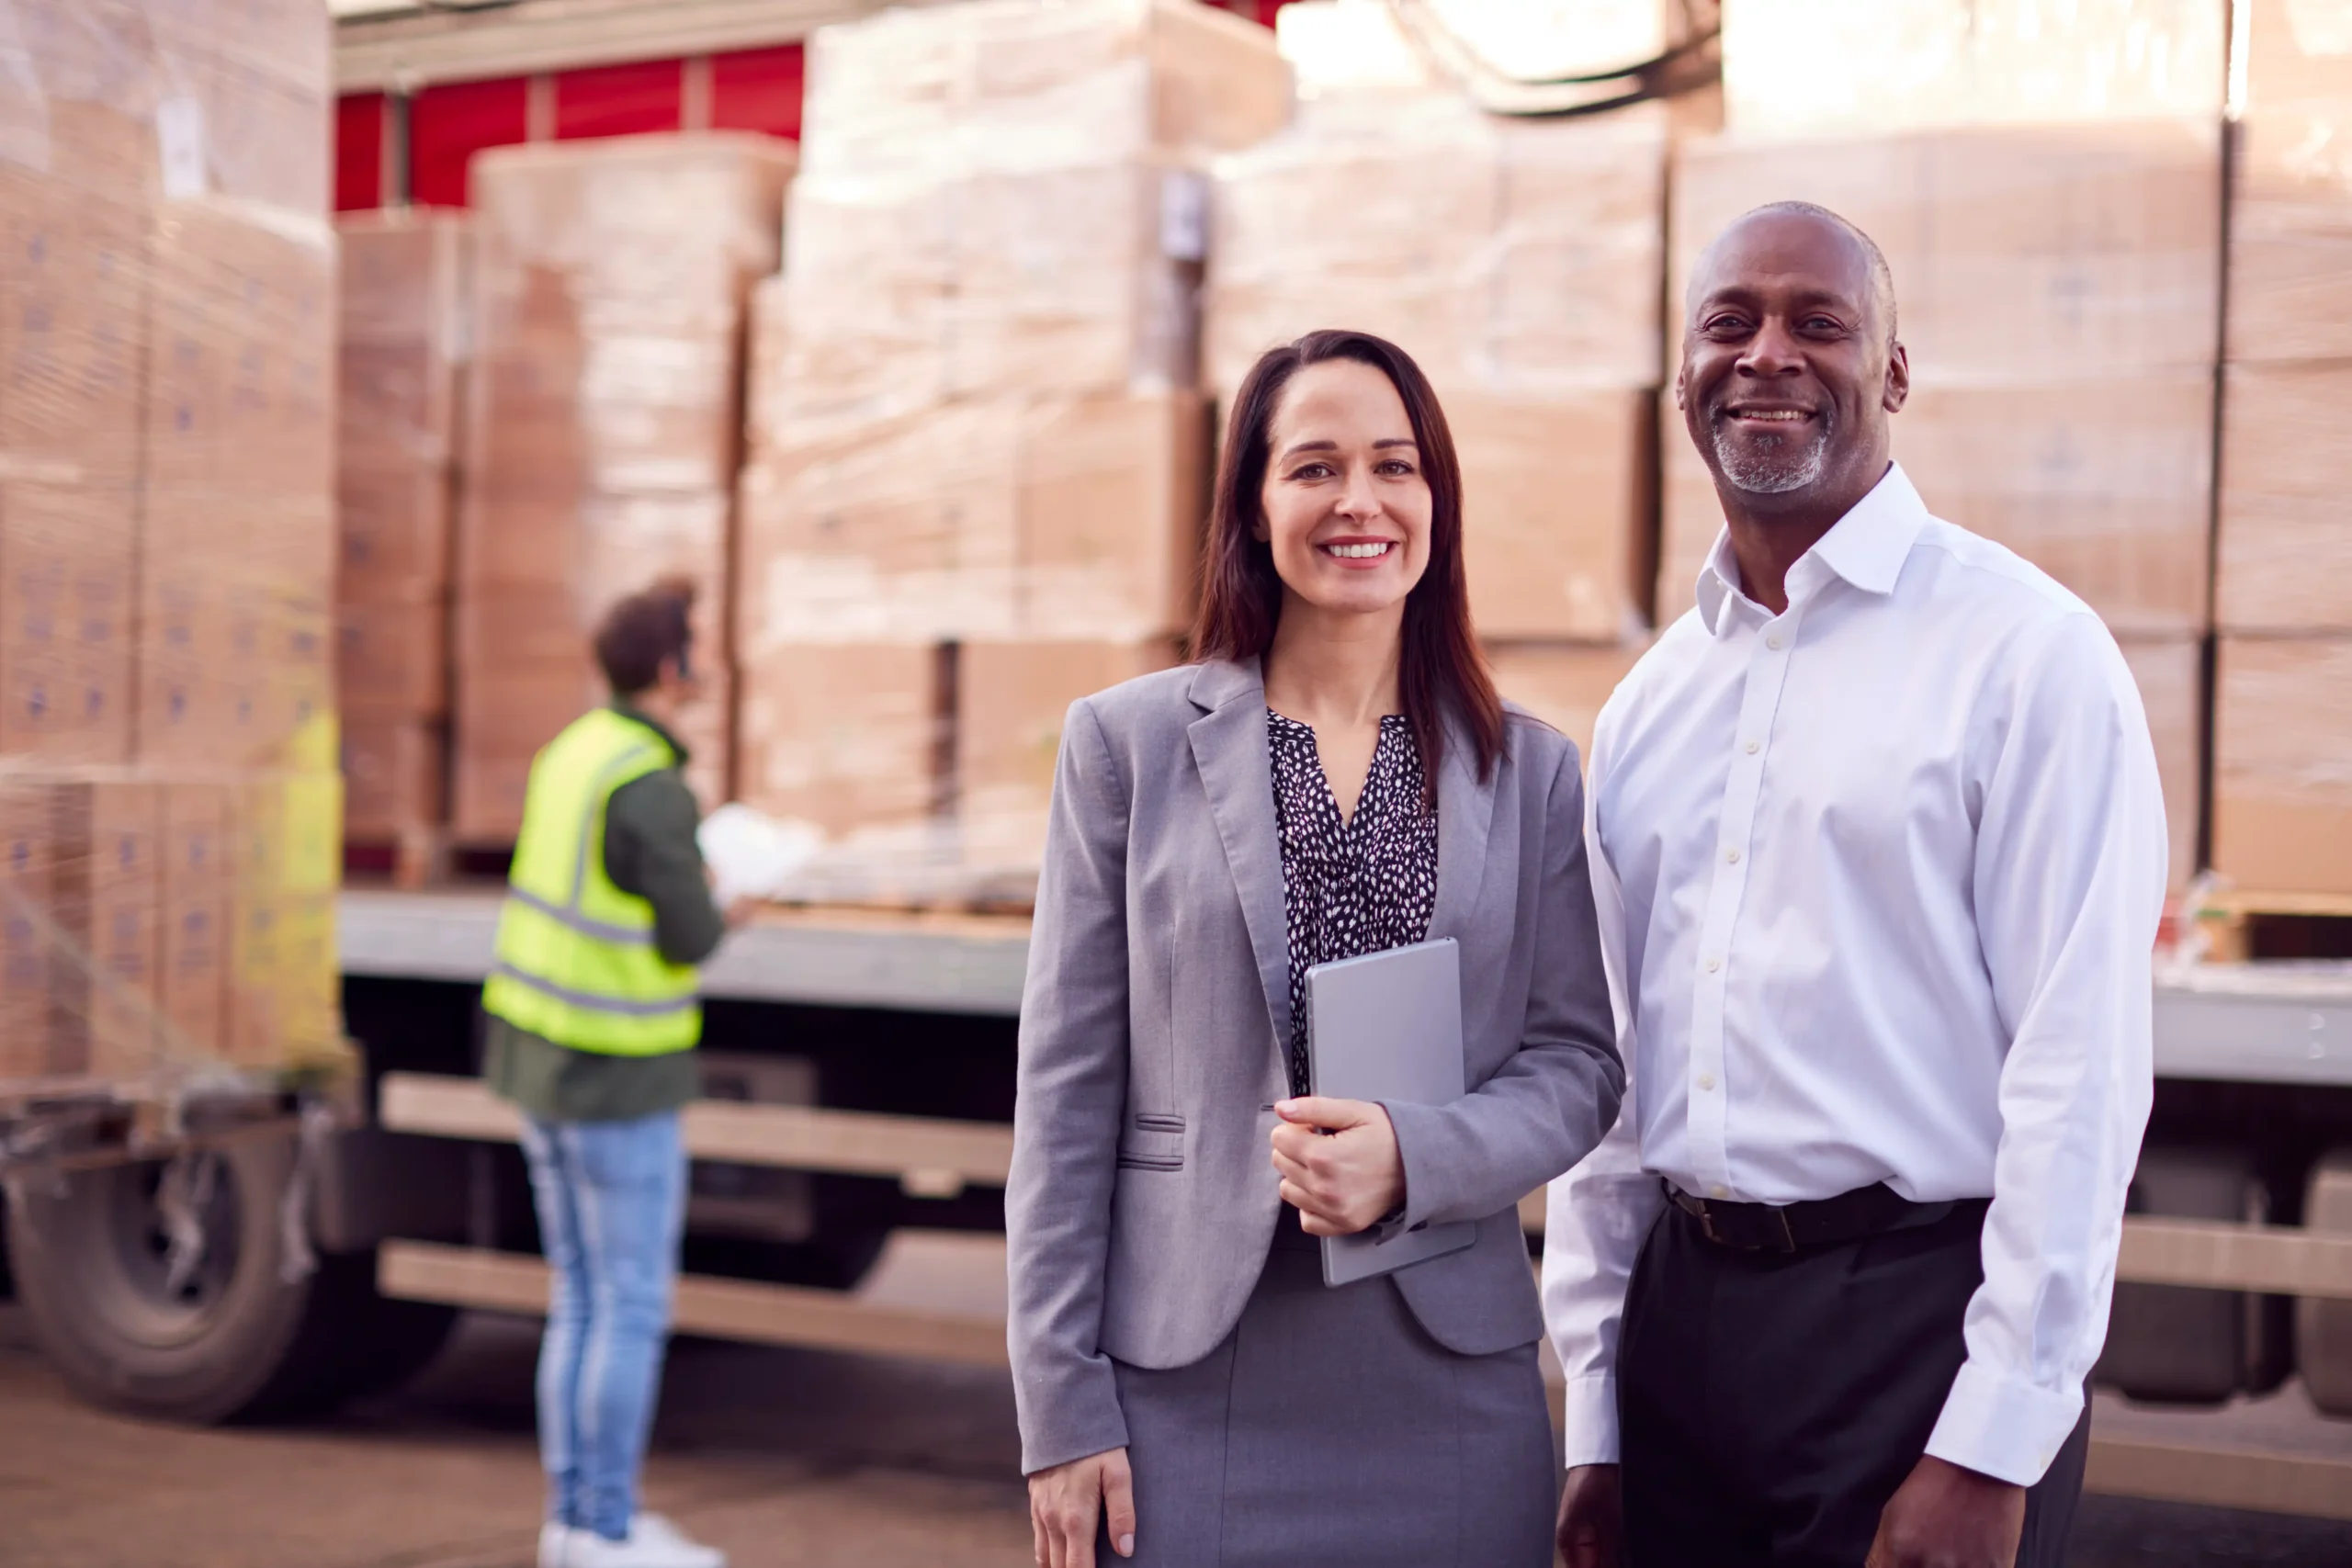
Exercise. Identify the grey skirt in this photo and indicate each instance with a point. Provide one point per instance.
(1328, 1428)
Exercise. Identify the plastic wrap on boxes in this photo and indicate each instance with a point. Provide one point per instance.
(2171, 676)
(917, 93)
(2285, 554)
(1509, 257)
(2105, 485)
(2290, 212)
(2018, 252)
(999, 518)
(603, 428)
(394, 773)
(1809, 66)
(2282, 764)
(403, 338)
(1011, 698)
(166, 541)
(845, 736)
(1006, 198)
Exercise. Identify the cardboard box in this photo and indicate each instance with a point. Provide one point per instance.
(27, 944)
(2290, 214)
(394, 530)
(1509, 257)
(2282, 764)
(2171, 676)
(392, 659)
(2105, 485)
(109, 883)
(1806, 66)
(1557, 509)
(65, 634)
(846, 737)
(395, 775)
(2285, 551)
(1011, 701)
(199, 865)
(2065, 251)
(1565, 686)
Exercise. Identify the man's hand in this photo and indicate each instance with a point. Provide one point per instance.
(739, 913)
(1067, 1502)
(1945, 1516)
(1339, 1163)
(1592, 1517)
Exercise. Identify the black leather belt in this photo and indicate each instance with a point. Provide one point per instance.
(1823, 1222)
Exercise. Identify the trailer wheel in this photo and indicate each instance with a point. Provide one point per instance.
(158, 1287)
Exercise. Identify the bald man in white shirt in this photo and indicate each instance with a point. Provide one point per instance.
(1879, 855)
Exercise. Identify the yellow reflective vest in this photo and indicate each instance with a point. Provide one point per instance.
(576, 962)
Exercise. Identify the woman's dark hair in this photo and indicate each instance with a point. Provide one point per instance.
(1439, 669)
(642, 630)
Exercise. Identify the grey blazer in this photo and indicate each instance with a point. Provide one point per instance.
(1142, 1197)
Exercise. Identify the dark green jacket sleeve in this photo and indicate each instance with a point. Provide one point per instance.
(650, 850)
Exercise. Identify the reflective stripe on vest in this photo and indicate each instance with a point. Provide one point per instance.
(577, 961)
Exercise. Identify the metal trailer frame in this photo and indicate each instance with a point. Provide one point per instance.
(2283, 1024)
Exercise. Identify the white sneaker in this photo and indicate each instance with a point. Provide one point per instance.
(554, 1544)
(653, 1542)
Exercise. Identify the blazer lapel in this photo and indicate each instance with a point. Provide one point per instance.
(1229, 746)
(1466, 811)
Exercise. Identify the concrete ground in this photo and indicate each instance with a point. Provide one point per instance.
(787, 1459)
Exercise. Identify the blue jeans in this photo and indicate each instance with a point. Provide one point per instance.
(612, 1200)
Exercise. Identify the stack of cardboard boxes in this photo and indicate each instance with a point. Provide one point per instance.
(979, 448)
(2282, 763)
(168, 799)
(1518, 262)
(403, 339)
(2057, 269)
(603, 430)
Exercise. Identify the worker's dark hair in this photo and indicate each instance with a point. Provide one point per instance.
(1441, 670)
(642, 630)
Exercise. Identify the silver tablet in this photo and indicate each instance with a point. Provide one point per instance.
(1387, 1026)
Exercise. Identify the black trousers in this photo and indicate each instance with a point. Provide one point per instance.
(1771, 1403)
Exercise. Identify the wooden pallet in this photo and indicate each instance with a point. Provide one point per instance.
(2239, 926)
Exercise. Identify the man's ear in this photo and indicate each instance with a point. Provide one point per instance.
(1898, 379)
(1681, 389)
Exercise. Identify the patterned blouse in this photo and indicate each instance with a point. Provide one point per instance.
(1359, 884)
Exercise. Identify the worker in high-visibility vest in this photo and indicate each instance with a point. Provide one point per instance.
(593, 1022)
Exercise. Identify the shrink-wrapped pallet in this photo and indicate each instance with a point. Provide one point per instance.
(603, 421)
(975, 416)
(166, 543)
(1801, 67)
(2282, 764)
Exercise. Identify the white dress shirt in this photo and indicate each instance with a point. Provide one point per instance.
(1878, 880)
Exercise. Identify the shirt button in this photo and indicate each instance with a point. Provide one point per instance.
(1713, 964)
(1706, 1080)
(1732, 856)
(1754, 746)
(1773, 642)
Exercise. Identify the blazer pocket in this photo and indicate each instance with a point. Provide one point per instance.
(1156, 1142)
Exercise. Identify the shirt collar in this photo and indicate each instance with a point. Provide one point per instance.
(1867, 547)
(629, 710)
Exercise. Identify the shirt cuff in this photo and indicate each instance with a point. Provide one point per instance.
(1588, 1405)
(2002, 1427)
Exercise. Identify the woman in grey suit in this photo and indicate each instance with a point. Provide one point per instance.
(1335, 776)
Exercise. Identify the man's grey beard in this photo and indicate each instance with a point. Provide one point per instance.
(1773, 469)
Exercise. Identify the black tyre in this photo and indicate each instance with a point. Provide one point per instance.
(159, 1289)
